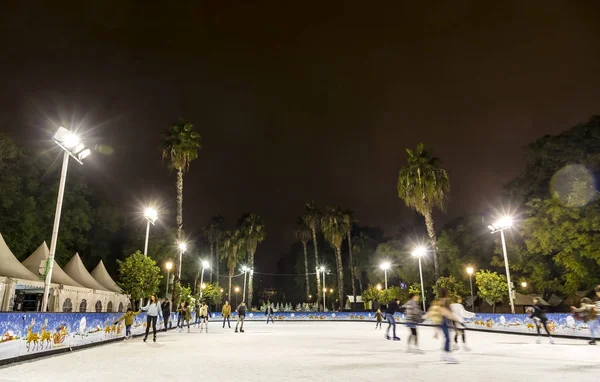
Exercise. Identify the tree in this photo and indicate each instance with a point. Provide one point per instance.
(303, 234)
(180, 148)
(424, 185)
(232, 252)
(492, 287)
(312, 219)
(334, 230)
(211, 294)
(254, 232)
(393, 293)
(139, 276)
(348, 222)
(184, 294)
(213, 234)
(449, 284)
(371, 294)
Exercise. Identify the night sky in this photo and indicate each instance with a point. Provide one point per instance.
(312, 101)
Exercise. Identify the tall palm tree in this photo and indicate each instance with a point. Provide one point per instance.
(232, 253)
(213, 233)
(423, 185)
(358, 246)
(180, 147)
(254, 232)
(334, 230)
(348, 222)
(312, 219)
(304, 234)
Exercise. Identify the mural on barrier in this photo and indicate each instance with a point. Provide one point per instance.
(22, 334)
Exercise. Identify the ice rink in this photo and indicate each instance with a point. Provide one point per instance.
(324, 351)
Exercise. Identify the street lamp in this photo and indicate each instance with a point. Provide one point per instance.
(205, 265)
(151, 215)
(378, 286)
(420, 252)
(524, 284)
(245, 269)
(169, 266)
(323, 270)
(182, 248)
(499, 226)
(72, 147)
(385, 266)
(237, 292)
(470, 273)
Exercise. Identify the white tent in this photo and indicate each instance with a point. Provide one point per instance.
(11, 267)
(76, 270)
(101, 275)
(58, 275)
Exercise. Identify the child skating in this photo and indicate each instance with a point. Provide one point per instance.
(378, 318)
(128, 317)
(460, 314)
(414, 316)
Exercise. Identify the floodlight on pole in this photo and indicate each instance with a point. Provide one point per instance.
(385, 266)
(182, 248)
(150, 215)
(419, 252)
(205, 265)
(470, 271)
(499, 226)
(524, 284)
(323, 271)
(378, 287)
(245, 269)
(169, 266)
(74, 148)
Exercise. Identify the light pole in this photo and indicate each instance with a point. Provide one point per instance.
(420, 252)
(385, 266)
(237, 292)
(245, 269)
(151, 215)
(72, 147)
(169, 266)
(524, 284)
(470, 273)
(499, 226)
(182, 248)
(322, 269)
(205, 264)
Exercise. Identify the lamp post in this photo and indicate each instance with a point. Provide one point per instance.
(385, 266)
(322, 269)
(237, 292)
(72, 147)
(420, 252)
(205, 264)
(524, 284)
(245, 269)
(151, 215)
(378, 287)
(169, 266)
(182, 248)
(470, 273)
(499, 226)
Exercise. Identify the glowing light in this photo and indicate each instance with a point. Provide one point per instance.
(151, 214)
(322, 268)
(378, 286)
(205, 264)
(237, 289)
(310, 296)
(524, 284)
(470, 270)
(222, 290)
(182, 247)
(71, 140)
(502, 223)
(203, 286)
(169, 265)
(385, 266)
(244, 268)
(330, 290)
(419, 252)
(84, 154)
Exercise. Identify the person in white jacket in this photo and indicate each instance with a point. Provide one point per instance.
(460, 313)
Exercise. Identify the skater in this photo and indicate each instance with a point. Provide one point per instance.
(378, 318)
(588, 313)
(226, 312)
(269, 313)
(391, 320)
(539, 316)
(166, 312)
(414, 316)
(180, 315)
(128, 317)
(440, 314)
(187, 314)
(460, 314)
(241, 311)
(204, 314)
(153, 312)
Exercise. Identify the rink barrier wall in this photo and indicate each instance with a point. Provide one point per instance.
(30, 335)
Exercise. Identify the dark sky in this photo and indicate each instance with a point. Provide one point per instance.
(312, 101)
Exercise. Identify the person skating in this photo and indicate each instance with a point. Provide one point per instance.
(241, 311)
(187, 311)
(269, 313)
(440, 311)
(226, 312)
(536, 312)
(152, 310)
(460, 314)
(128, 317)
(165, 307)
(414, 316)
(391, 320)
(204, 314)
(588, 313)
(378, 318)
(180, 315)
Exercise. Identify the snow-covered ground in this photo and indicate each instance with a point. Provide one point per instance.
(323, 351)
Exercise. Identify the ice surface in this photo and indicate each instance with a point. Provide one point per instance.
(323, 351)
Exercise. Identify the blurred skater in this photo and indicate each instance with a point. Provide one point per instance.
(128, 317)
(269, 313)
(241, 311)
(378, 318)
(153, 311)
(391, 320)
(536, 312)
(226, 312)
(587, 313)
(440, 310)
(414, 316)
(166, 313)
(204, 314)
(460, 314)
(180, 315)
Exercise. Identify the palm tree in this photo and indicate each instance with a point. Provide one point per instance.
(304, 234)
(213, 233)
(180, 147)
(423, 185)
(232, 252)
(334, 229)
(358, 246)
(254, 232)
(348, 221)
(312, 219)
